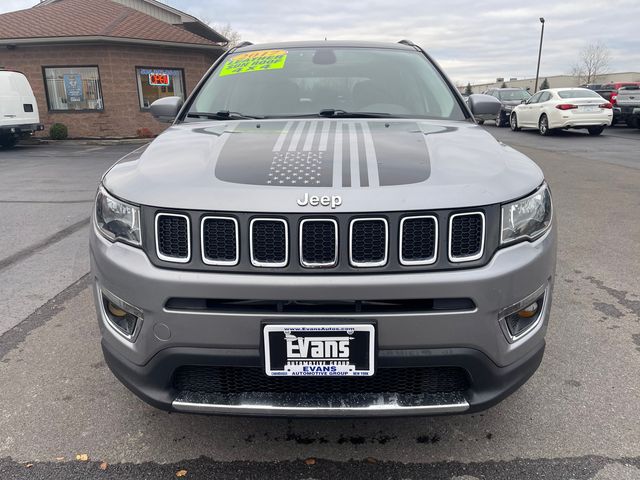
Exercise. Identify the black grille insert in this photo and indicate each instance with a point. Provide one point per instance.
(323, 307)
(220, 241)
(173, 238)
(318, 243)
(369, 238)
(467, 236)
(235, 380)
(269, 243)
(419, 240)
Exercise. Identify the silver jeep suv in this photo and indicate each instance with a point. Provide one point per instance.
(324, 231)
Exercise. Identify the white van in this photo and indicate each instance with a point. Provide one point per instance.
(19, 115)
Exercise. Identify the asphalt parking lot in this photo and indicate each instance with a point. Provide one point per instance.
(577, 418)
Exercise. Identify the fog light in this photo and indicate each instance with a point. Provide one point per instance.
(520, 318)
(122, 316)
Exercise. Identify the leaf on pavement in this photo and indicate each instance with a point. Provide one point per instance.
(371, 460)
(59, 459)
(310, 461)
(82, 457)
(103, 466)
(29, 465)
(181, 473)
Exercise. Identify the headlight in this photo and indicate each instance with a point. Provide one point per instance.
(527, 218)
(116, 220)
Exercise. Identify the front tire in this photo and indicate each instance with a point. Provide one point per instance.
(513, 123)
(8, 141)
(595, 131)
(543, 126)
(499, 121)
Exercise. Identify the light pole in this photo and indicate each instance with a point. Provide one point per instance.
(539, 54)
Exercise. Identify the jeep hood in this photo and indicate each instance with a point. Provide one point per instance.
(374, 165)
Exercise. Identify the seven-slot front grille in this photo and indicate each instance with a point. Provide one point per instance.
(418, 240)
(466, 236)
(368, 242)
(318, 243)
(269, 242)
(173, 238)
(312, 244)
(219, 240)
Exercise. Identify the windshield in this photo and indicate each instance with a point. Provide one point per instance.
(307, 81)
(578, 94)
(513, 95)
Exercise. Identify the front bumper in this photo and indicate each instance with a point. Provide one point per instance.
(22, 129)
(471, 340)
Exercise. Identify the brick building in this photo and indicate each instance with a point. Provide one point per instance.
(97, 65)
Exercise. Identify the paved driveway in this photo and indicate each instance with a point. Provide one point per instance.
(576, 419)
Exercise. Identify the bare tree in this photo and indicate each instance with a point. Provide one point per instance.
(593, 60)
(229, 33)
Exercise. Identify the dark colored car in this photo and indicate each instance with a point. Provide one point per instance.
(510, 98)
(609, 92)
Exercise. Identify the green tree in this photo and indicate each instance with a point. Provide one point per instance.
(544, 85)
(468, 90)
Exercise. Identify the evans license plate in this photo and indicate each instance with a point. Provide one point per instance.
(319, 350)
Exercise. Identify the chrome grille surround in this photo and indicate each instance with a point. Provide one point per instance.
(208, 261)
(426, 261)
(467, 258)
(257, 263)
(379, 263)
(168, 258)
(301, 244)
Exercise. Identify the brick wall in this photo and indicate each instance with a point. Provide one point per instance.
(122, 116)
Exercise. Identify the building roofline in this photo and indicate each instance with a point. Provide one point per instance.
(7, 42)
(185, 18)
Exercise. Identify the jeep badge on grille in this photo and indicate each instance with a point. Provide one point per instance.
(324, 200)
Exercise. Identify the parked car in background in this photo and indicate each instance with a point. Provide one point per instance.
(628, 101)
(609, 92)
(592, 86)
(563, 108)
(19, 115)
(509, 98)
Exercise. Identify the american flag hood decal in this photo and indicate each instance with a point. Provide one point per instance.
(324, 153)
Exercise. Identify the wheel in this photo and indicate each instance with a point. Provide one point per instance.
(500, 121)
(8, 141)
(595, 131)
(513, 123)
(614, 120)
(480, 122)
(543, 126)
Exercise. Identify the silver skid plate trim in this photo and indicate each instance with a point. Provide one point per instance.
(314, 405)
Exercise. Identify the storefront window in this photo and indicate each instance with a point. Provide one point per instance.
(155, 83)
(73, 88)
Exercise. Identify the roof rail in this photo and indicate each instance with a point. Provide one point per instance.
(243, 44)
(408, 42)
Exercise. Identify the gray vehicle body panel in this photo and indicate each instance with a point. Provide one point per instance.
(466, 167)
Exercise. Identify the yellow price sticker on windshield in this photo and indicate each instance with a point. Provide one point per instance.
(255, 62)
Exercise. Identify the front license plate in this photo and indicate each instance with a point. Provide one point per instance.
(319, 350)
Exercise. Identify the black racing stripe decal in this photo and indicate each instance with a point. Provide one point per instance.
(402, 154)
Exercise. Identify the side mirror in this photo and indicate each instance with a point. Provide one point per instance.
(483, 105)
(166, 109)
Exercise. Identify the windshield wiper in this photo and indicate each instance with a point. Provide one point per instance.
(222, 115)
(336, 112)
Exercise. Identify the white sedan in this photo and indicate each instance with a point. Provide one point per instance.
(563, 108)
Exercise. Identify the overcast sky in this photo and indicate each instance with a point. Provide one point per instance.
(472, 40)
